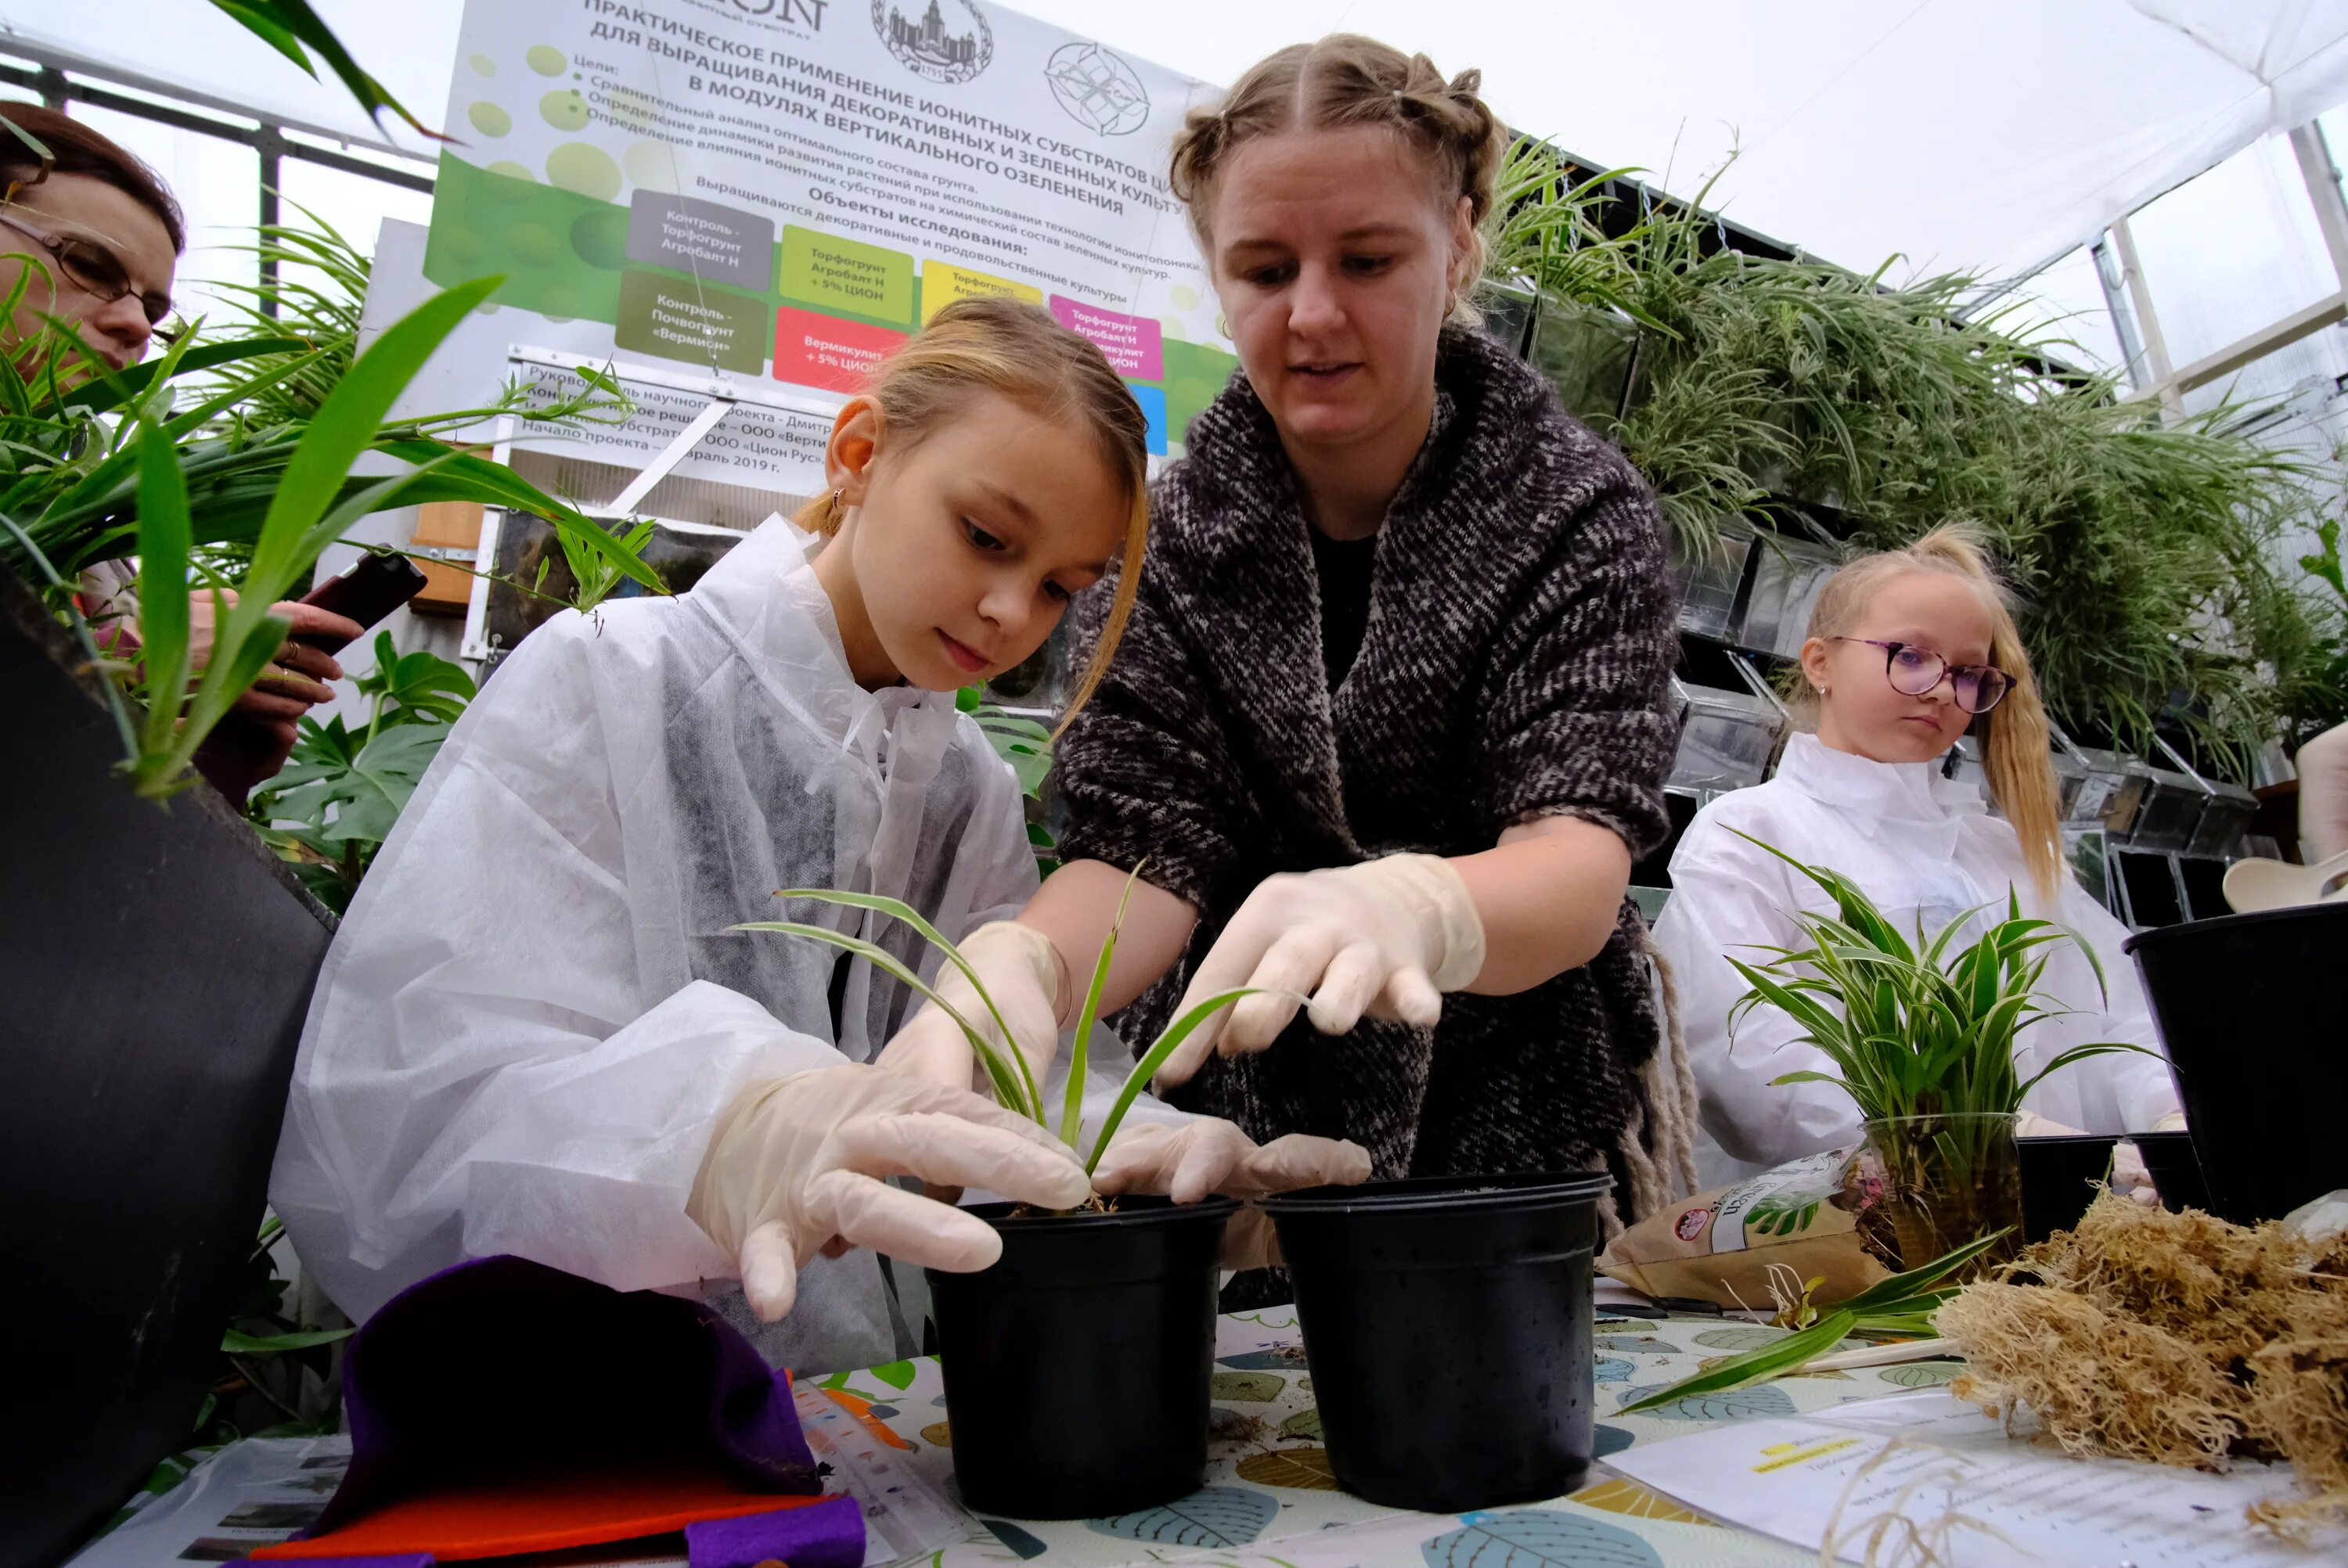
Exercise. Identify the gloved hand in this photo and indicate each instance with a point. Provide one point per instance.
(1022, 972)
(2128, 1163)
(1385, 939)
(2030, 1125)
(794, 1168)
(1188, 1160)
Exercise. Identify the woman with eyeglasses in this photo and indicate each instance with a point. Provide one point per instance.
(1907, 649)
(93, 238)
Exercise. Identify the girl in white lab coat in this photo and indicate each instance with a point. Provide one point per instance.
(1906, 648)
(536, 1032)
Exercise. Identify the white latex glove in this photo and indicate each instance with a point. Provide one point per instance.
(2128, 1163)
(1186, 1161)
(1383, 939)
(794, 1168)
(1022, 972)
(2030, 1125)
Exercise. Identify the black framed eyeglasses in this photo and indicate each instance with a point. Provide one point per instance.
(93, 269)
(1915, 671)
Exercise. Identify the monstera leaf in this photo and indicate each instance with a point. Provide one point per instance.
(1218, 1516)
(1728, 1405)
(1537, 1538)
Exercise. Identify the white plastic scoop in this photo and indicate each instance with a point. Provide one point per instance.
(2255, 885)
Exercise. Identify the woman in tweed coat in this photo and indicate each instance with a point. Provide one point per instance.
(1388, 720)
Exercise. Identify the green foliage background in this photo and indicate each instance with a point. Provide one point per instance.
(2146, 555)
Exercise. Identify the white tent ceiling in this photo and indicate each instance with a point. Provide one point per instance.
(1988, 135)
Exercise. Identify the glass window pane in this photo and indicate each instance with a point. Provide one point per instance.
(218, 184)
(351, 204)
(2232, 250)
(2064, 308)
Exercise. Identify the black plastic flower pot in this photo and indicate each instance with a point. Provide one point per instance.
(2175, 1169)
(2058, 1180)
(1411, 1293)
(1078, 1367)
(2248, 1008)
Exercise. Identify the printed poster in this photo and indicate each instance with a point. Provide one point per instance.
(778, 192)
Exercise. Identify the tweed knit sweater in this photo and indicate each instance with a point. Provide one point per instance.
(1520, 639)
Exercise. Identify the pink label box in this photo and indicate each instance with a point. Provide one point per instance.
(1133, 345)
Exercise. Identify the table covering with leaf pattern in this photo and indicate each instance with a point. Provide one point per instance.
(1268, 1501)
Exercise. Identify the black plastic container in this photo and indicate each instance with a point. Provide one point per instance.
(1077, 1368)
(2059, 1177)
(1448, 1325)
(2248, 1007)
(2175, 1169)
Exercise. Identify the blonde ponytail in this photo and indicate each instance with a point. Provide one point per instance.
(2017, 752)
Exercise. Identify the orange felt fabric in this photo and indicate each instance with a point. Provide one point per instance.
(542, 1513)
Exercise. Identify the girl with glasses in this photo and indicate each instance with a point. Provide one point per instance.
(1907, 650)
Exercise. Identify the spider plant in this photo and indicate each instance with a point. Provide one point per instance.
(1921, 1035)
(1006, 1067)
(1914, 1029)
(115, 465)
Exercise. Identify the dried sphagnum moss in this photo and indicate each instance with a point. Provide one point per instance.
(2175, 1338)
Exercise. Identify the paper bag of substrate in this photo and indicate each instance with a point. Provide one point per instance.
(1721, 1247)
(2175, 1338)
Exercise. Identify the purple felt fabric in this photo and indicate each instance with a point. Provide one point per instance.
(500, 1367)
(829, 1534)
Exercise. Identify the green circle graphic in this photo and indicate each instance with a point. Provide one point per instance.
(599, 238)
(533, 243)
(653, 166)
(576, 166)
(512, 170)
(489, 118)
(564, 109)
(546, 60)
(483, 65)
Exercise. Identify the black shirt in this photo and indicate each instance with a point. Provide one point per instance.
(1345, 568)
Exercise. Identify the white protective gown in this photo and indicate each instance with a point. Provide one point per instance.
(534, 1011)
(1914, 842)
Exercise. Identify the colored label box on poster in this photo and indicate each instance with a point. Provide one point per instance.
(815, 349)
(700, 324)
(828, 273)
(1135, 347)
(706, 239)
(1153, 408)
(942, 284)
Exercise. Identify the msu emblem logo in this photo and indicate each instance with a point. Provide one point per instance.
(930, 47)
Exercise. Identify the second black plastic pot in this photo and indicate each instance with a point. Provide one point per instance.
(2059, 1177)
(2175, 1169)
(1448, 1326)
(2249, 1010)
(1078, 1367)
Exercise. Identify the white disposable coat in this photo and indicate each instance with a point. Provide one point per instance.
(1915, 843)
(534, 1011)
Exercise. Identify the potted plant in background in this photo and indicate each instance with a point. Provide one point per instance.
(1921, 1035)
(1078, 1367)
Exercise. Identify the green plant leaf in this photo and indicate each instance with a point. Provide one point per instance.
(1165, 1046)
(293, 30)
(1080, 1058)
(1758, 1364)
(235, 1343)
(1009, 1087)
(1887, 1294)
(898, 909)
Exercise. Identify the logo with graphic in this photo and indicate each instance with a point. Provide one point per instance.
(1097, 88)
(930, 47)
(1692, 1222)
